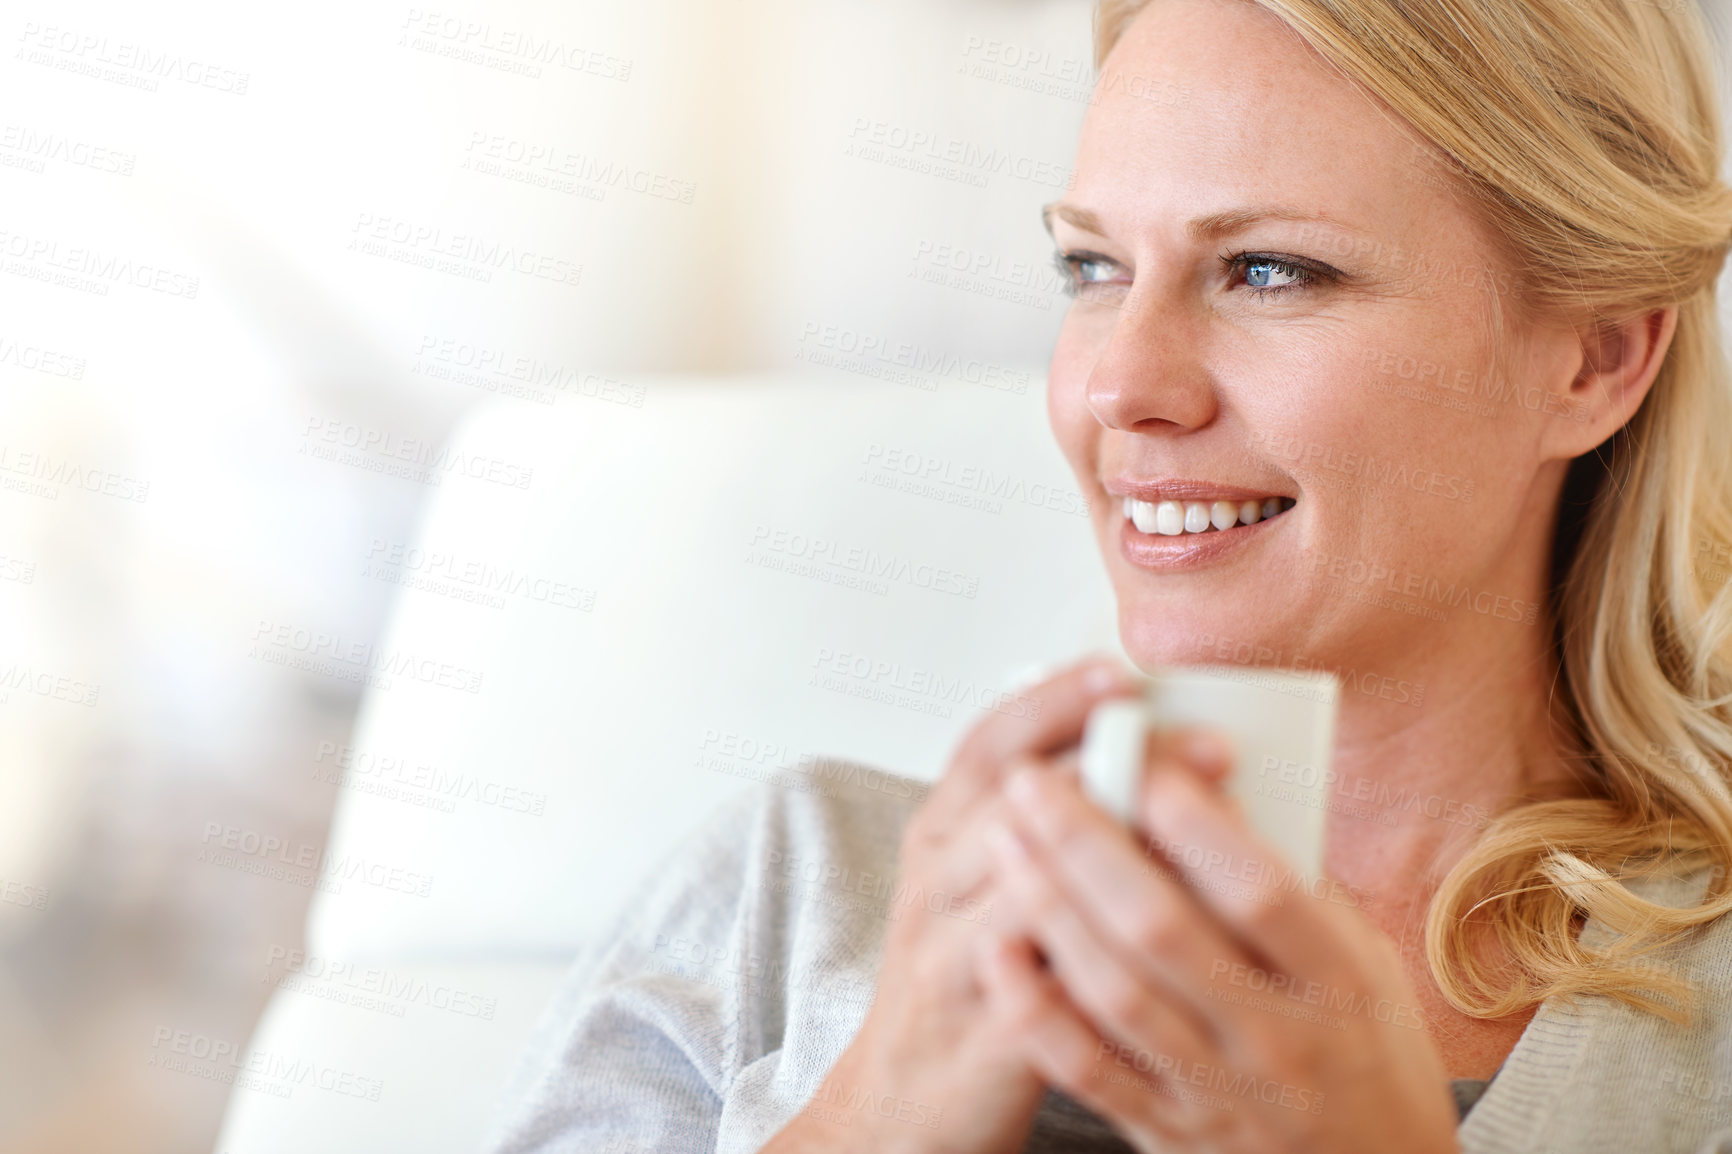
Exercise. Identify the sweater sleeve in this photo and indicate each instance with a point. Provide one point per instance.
(738, 972)
(639, 1046)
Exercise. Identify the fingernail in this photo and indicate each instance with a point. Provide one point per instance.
(1021, 789)
(1108, 674)
(1000, 837)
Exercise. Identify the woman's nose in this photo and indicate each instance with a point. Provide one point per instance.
(1152, 373)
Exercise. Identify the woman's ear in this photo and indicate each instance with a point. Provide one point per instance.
(1619, 361)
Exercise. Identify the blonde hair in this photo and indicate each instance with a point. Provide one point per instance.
(1587, 133)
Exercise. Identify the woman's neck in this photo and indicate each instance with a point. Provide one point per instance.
(1414, 785)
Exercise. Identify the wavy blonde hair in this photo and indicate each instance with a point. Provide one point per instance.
(1588, 134)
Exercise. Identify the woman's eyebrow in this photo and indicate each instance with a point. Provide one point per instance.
(1211, 227)
(1219, 224)
(1080, 217)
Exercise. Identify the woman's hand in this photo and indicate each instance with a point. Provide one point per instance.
(939, 1072)
(1196, 997)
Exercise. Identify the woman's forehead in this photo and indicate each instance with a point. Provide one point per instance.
(1265, 125)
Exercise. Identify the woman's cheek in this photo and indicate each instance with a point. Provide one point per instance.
(1073, 425)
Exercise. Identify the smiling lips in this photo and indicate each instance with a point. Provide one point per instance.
(1173, 518)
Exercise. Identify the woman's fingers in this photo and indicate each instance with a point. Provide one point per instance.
(1124, 995)
(1164, 920)
(1068, 1052)
(1106, 908)
(1235, 874)
(1048, 718)
(1207, 752)
(962, 865)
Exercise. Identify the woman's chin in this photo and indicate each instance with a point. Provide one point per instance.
(1153, 635)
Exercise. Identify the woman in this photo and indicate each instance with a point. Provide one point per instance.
(1395, 347)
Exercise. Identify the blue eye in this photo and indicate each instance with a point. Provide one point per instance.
(1262, 274)
(1091, 271)
(1267, 274)
(1084, 270)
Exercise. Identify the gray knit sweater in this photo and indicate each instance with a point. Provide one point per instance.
(741, 970)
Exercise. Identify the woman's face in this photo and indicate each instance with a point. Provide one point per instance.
(1279, 297)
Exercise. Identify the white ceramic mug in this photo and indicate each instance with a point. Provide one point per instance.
(1282, 726)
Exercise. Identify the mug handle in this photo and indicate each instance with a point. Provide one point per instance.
(1115, 742)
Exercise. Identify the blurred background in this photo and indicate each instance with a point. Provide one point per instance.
(255, 267)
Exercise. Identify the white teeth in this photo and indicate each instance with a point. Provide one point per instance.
(1173, 518)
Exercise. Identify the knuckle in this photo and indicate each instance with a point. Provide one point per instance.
(1264, 916)
(1073, 1064)
(1025, 1014)
(1278, 1053)
(1156, 931)
(1120, 998)
(992, 809)
(931, 968)
(978, 748)
(1036, 901)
